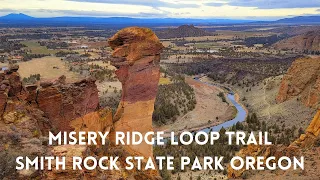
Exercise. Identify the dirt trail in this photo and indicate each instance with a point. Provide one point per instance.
(265, 97)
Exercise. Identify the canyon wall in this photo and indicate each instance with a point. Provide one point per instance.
(136, 55)
(302, 81)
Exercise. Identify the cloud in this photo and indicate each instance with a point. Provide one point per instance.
(215, 4)
(152, 3)
(274, 4)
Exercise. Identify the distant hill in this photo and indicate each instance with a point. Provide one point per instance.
(14, 16)
(25, 20)
(293, 30)
(182, 31)
(300, 20)
(309, 42)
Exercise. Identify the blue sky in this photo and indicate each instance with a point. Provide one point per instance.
(231, 9)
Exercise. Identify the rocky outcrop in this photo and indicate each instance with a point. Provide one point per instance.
(255, 151)
(63, 103)
(308, 42)
(29, 112)
(302, 81)
(60, 102)
(311, 135)
(137, 56)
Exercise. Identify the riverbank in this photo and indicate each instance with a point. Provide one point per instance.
(209, 110)
(241, 115)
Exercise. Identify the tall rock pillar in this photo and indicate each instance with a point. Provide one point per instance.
(136, 55)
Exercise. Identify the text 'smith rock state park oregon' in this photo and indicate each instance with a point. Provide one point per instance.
(160, 66)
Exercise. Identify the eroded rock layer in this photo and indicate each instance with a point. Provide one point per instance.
(65, 102)
(302, 81)
(137, 56)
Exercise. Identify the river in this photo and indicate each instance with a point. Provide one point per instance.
(241, 112)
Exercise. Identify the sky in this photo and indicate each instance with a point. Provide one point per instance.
(202, 9)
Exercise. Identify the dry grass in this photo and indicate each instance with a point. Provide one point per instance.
(44, 67)
(164, 81)
(102, 64)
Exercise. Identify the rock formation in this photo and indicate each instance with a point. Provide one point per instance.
(309, 42)
(137, 56)
(60, 102)
(311, 135)
(65, 102)
(302, 81)
(28, 113)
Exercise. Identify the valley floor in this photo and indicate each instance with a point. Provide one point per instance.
(209, 110)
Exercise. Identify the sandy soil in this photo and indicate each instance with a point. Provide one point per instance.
(208, 107)
(44, 67)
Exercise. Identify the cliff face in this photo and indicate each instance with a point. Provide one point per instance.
(60, 102)
(309, 41)
(302, 81)
(63, 103)
(137, 56)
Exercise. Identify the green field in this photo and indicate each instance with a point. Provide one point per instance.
(35, 48)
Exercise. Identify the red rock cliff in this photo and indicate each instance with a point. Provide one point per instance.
(60, 102)
(137, 56)
(302, 81)
(63, 103)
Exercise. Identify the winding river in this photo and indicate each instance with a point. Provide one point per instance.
(241, 112)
